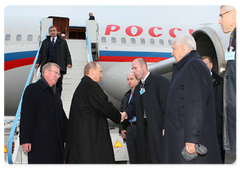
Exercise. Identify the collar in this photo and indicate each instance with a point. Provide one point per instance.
(143, 80)
(187, 57)
(55, 38)
(44, 84)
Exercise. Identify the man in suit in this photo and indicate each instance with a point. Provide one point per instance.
(217, 81)
(128, 127)
(43, 121)
(149, 106)
(55, 49)
(190, 116)
(228, 23)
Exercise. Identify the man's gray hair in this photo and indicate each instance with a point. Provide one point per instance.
(187, 40)
(49, 65)
(227, 7)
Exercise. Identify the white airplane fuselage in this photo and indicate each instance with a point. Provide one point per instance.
(118, 44)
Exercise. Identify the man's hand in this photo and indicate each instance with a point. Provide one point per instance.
(69, 66)
(190, 147)
(26, 147)
(123, 132)
(123, 116)
(36, 65)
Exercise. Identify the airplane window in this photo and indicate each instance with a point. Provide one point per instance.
(29, 37)
(170, 42)
(142, 41)
(123, 40)
(152, 42)
(161, 42)
(19, 37)
(103, 39)
(7, 37)
(133, 40)
(113, 39)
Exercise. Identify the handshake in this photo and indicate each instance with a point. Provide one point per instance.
(123, 116)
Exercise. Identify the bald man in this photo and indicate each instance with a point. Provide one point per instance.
(128, 127)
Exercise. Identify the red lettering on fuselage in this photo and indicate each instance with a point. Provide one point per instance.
(111, 28)
(171, 32)
(139, 30)
(129, 31)
(190, 31)
(151, 31)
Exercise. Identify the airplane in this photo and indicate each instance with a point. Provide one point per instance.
(121, 39)
(119, 42)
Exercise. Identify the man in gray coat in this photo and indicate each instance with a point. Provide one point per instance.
(228, 24)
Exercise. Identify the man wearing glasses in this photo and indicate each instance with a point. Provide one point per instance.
(43, 120)
(228, 24)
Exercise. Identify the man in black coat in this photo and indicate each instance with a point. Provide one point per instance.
(217, 81)
(228, 21)
(128, 127)
(55, 49)
(43, 121)
(190, 116)
(149, 106)
(88, 138)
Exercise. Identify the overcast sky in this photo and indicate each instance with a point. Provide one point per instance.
(181, 13)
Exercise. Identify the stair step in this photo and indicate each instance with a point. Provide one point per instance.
(78, 51)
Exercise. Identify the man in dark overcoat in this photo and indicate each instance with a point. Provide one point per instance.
(128, 127)
(43, 121)
(55, 49)
(88, 138)
(217, 81)
(190, 116)
(149, 106)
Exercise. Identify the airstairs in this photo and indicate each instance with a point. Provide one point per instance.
(78, 51)
(81, 53)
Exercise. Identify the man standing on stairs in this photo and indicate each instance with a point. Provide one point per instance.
(55, 49)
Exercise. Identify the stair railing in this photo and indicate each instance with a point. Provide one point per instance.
(16, 119)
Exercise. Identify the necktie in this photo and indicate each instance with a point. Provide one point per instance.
(134, 118)
(230, 41)
(53, 42)
(231, 37)
(130, 97)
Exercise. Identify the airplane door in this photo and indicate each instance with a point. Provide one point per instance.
(45, 23)
(62, 24)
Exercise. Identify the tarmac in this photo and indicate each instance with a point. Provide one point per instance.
(230, 159)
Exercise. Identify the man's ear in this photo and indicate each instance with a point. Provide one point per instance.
(234, 14)
(91, 71)
(182, 48)
(45, 72)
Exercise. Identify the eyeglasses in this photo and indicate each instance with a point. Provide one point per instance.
(56, 73)
(220, 15)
